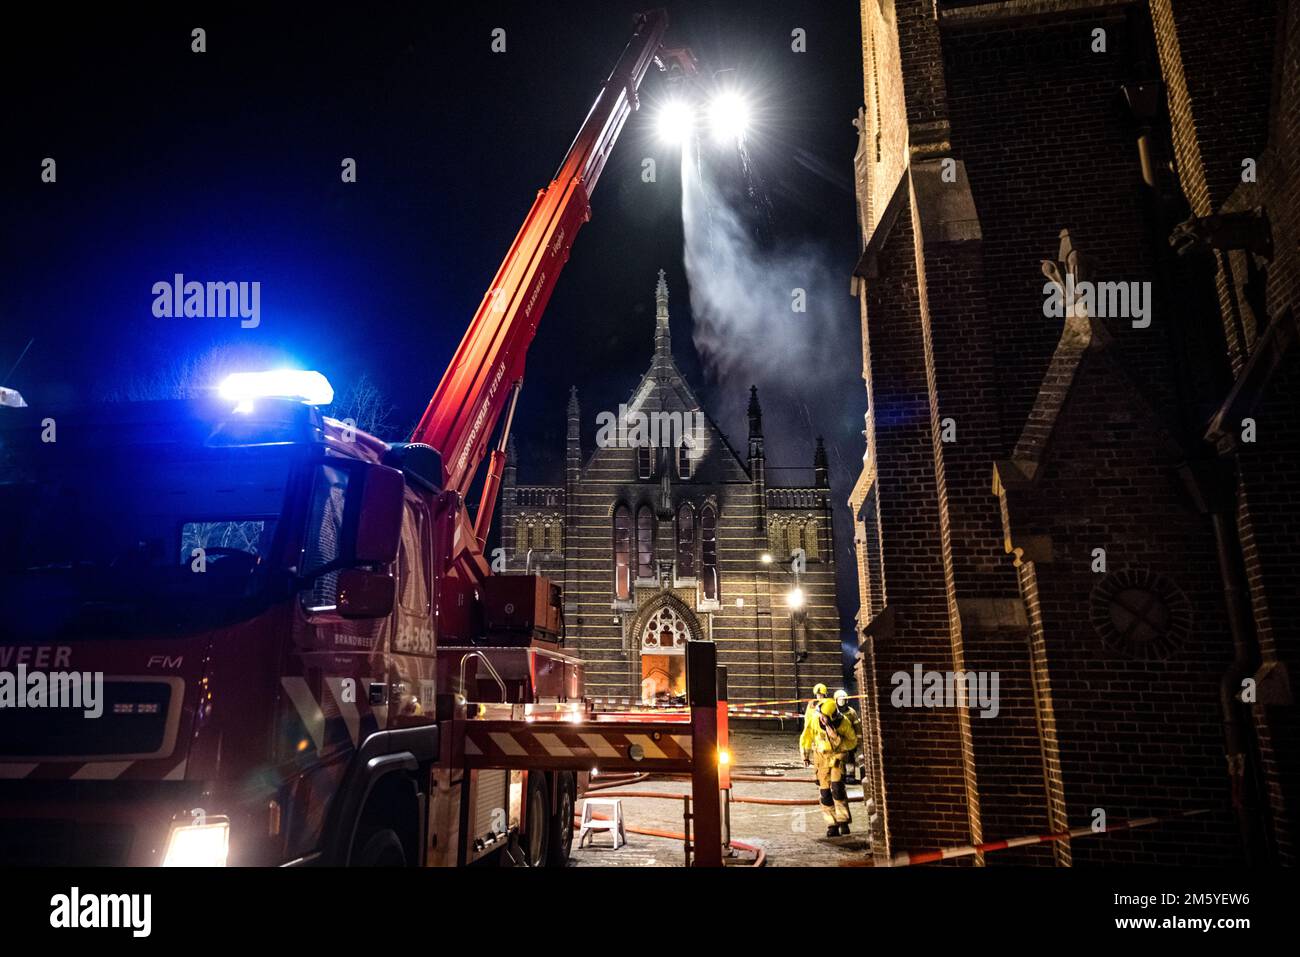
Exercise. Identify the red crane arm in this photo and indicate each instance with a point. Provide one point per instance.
(489, 362)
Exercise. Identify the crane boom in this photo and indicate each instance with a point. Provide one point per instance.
(488, 366)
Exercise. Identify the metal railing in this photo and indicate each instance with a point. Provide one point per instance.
(491, 670)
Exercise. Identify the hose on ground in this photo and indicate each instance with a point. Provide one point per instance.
(760, 855)
(779, 802)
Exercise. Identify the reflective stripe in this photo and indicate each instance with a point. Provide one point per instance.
(507, 744)
(599, 746)
(553, 745)
(101, 770)
(347, 709)
(308, 710)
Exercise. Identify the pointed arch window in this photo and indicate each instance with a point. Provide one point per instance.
(645, 542)
(665, 632)
(777, 538)
(685, 541)
(812, 540)
(795, 534)
(685, 460)
(645, 463)
(622, 553)
(709, 552)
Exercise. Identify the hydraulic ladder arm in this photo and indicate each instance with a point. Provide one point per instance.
(487, 370)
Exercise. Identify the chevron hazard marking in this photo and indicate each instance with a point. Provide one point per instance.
(507, 744)
(304, 703)
(348, 709)
(599, 746)
(101, 770)
(553, 745)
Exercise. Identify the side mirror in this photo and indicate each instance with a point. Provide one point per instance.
(379, 518)
(365, 594)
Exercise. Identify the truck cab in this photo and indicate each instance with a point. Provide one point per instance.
(247, 596)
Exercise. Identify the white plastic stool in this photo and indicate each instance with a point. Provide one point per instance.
(591, 823)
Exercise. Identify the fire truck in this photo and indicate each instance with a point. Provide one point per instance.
(302, 654)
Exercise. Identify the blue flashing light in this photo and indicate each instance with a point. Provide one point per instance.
(306, 386)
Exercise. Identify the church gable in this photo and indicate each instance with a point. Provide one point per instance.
(663, 413)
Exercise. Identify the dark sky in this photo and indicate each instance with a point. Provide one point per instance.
(225, 166)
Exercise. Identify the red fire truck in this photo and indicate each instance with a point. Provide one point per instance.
(303, 656)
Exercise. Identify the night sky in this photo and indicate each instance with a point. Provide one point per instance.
(224, 166)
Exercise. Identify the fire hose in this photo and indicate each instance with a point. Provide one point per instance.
(780, 802)
(622, 780)
(760, 856)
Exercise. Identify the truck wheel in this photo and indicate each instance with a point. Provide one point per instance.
(562, 822)
(537, 839)
(379, 847)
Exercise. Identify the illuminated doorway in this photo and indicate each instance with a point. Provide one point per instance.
(663, 657)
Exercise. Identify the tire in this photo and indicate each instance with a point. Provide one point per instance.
(379, 847)
(537, 835)
(562, 821)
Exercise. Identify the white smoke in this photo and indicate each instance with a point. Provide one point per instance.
(747, 331)
(807, 365)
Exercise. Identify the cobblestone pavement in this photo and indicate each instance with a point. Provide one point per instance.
(791, 836)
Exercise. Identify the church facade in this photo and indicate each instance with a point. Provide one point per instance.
(664, 533)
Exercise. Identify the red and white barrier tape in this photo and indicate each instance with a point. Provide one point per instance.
(908, 858)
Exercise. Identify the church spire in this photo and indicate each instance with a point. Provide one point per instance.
(757, 467)
(573, 438)
(821, 467)
(663, 338)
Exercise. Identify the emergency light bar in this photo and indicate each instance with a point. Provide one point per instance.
(12, 398)
(306, 386)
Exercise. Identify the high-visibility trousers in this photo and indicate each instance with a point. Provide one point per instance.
(834, 796)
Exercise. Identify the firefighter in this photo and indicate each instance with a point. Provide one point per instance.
(828, 740)
(810, 713)
(853, 760)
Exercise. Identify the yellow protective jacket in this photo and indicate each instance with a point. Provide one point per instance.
(810, 714)
(815, 738)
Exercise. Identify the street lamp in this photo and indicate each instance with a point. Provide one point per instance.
(794, 598)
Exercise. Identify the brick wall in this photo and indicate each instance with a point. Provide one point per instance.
(1233, 74)
(1137, 725)
(1089, 442)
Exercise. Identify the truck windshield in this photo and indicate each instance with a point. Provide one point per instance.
(133, 540)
